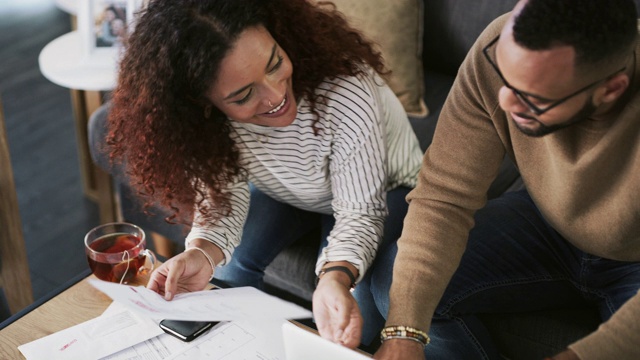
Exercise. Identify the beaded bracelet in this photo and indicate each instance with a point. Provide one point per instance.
(213, 265)
(404, 332)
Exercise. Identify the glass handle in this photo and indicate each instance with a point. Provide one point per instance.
(152, 258)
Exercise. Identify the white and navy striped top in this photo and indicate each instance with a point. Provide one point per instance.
(365, 146)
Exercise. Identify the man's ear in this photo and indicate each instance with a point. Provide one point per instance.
(613, 88)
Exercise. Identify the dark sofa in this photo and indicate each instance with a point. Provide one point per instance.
(450, 28)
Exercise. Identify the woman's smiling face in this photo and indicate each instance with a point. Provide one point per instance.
(254, 82)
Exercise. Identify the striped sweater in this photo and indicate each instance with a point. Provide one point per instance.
(364, 147)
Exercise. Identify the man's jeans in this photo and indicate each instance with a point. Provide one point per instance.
(271, 226)
(514, 262)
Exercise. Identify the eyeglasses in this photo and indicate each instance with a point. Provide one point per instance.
(523, 97)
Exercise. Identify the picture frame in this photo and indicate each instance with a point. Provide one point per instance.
(103, 25)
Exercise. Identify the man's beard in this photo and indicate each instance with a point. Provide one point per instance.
(587, 110)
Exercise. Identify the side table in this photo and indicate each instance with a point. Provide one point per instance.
(64, 63)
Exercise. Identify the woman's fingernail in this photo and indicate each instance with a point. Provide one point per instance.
(167, 296)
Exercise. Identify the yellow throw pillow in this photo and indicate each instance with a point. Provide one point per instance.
(396, 27)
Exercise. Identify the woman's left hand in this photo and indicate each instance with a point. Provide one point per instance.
(336, 311)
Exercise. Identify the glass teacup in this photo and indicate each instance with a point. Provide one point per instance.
(116, 252)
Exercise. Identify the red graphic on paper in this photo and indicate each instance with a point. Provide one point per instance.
(67, 345)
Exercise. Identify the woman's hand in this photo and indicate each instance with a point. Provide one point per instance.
(400, 349)
(336, 311)
(186, 272)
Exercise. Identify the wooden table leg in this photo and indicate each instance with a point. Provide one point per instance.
(14, 274)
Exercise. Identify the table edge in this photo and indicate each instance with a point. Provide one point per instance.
(39, 302)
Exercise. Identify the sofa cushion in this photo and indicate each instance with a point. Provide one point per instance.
(293, 270)
(396, 27)
(452, 26)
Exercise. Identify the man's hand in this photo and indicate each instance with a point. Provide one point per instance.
(336, 311)
(400, 349)
(565, 355)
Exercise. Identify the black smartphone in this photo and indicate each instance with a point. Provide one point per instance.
(186, 330)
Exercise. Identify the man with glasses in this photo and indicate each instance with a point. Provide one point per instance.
(553, 85)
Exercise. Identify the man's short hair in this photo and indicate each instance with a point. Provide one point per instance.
(600, 31)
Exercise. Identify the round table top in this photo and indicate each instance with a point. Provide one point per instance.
(64, 62)
(70, 6)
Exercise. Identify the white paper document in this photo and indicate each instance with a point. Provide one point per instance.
(243, 303)
(228, 340)
(120, 334)
(93, 339)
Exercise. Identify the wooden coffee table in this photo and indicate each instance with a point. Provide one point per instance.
(73, 305)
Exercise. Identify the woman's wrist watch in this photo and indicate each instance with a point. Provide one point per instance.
(343, 269)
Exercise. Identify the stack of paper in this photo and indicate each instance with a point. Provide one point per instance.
(129, 328)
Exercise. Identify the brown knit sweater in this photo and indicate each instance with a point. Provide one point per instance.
(585, 179)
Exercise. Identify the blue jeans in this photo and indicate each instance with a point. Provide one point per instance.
(514, 262)
(271, 226)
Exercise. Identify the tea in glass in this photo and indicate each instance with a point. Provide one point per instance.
(116, 252)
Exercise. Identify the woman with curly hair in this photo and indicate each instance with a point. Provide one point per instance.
(257, 121)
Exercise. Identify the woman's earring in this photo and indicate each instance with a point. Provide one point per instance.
(207, 111)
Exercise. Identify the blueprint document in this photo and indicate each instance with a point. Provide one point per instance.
(121, 334)
(118, 328)
(243, 303)
(228, 340)
(128, 329)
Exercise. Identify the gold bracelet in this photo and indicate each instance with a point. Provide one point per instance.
(404, 332)
(209, 259)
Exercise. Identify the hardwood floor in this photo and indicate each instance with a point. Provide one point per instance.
(40, 127)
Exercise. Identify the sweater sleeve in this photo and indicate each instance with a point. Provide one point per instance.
(358, 176)
(456, 172)
(227, 232)
(617, 338)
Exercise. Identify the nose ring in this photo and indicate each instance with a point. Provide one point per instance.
(270, 104)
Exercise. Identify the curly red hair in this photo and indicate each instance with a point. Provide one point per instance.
(174, 143)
